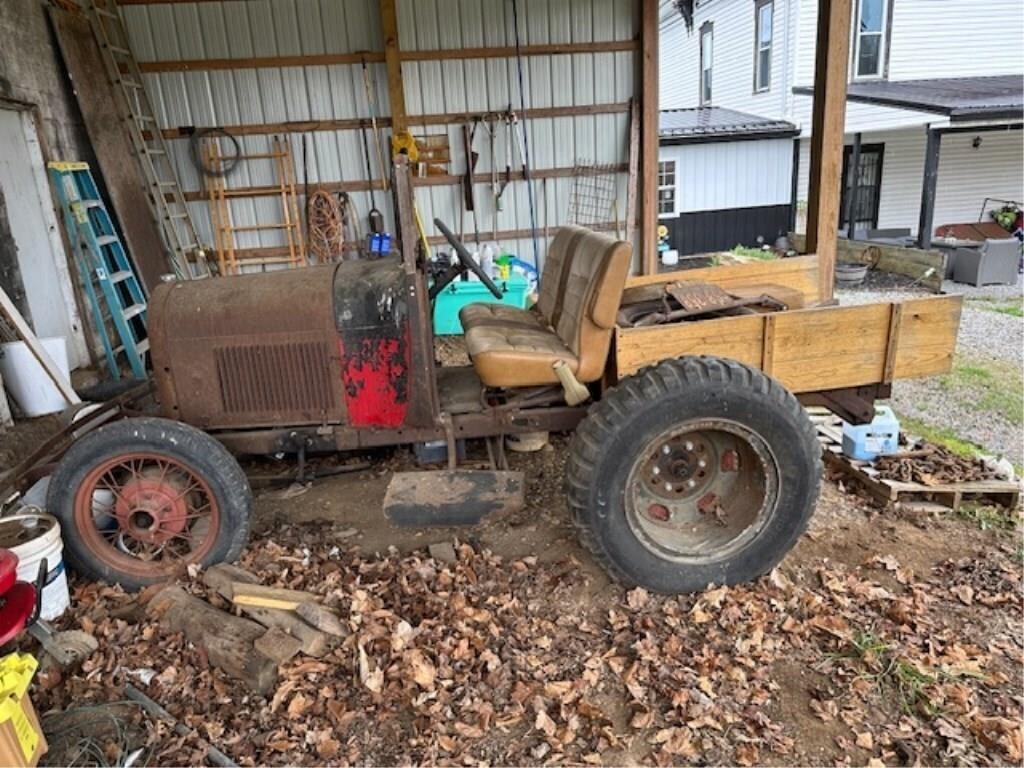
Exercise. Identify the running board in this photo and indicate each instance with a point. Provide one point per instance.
(447, 497)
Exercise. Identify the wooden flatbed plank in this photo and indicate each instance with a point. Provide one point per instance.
(926, 336)
(799, 273)
(813, 349)
(738, 338)
(831, 347)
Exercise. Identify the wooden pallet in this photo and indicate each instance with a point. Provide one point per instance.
(897, 494)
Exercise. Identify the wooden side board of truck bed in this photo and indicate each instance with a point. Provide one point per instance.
(807, 350)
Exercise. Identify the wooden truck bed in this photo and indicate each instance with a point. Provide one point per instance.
(807, 350)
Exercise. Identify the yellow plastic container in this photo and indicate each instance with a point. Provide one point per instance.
(21, 738)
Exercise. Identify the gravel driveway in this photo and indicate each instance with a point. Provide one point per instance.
(990, 344)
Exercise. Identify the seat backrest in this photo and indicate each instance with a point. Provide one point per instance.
(590, 299)
(556, 267)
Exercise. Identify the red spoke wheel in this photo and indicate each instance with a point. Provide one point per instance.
(140, 499)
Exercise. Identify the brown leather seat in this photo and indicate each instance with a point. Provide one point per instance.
(514, 354)
(552, 282)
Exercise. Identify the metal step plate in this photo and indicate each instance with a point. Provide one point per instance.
(448, 497)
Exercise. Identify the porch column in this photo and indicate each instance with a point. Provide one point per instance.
(851, 189)
(926, 222)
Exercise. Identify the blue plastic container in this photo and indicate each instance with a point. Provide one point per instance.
(462, 292)
(866, 442)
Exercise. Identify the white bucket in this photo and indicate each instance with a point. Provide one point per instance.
(32, 537)
(26, 379)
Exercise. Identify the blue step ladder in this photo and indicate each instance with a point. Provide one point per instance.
(115, 296)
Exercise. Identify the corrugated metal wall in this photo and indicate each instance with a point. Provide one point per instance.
(274, 28)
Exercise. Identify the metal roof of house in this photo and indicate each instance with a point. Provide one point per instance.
(996, 97)
(717, 124)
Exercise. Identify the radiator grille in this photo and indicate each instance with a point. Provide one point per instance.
(278, 378)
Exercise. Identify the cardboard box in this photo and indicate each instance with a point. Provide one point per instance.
(21, 738)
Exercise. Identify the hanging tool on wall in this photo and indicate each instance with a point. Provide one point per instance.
(491, 126)
(468, 196)
(371, 100)
(375, 218)
(499, 198)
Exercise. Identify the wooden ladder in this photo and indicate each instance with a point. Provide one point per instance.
(164, 195)
(220, 208)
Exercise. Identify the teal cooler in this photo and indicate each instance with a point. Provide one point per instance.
(462, 292)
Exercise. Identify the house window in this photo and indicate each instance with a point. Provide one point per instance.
(763, 10)
(706, 39)
(667, 188)
(870, 38)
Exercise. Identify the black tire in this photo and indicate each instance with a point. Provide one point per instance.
(618, 433)
(199, 456)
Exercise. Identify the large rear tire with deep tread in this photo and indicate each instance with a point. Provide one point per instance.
(141, 499)
(693, 472)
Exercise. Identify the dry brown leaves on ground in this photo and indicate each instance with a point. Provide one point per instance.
(486, 661)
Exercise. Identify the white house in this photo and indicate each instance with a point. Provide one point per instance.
(935, 79)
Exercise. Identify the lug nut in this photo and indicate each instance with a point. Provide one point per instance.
(666, 450)
(668, 486)
(657, 470)
(702, 463)
(688, 445)
(691, 483)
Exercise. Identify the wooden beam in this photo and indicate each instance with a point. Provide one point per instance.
(649, 137)
(546, 49)
(377, 57)
(361, 185)
(827, 128)
(354, 123)
(634, 167)
(259, 62)
(392, 58)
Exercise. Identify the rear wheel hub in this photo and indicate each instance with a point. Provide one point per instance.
(701, 491)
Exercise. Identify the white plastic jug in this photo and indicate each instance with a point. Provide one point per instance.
(26, 380)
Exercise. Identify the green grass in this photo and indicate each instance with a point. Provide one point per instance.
(943, 436)
(1011, 307)
(995, 387)
(988, 518)
(758, 254)
(891, 672)
(1013, 310)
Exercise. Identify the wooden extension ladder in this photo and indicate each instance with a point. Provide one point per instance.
(220, 208)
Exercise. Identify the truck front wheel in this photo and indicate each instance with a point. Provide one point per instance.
(696, 471)
(140, 499)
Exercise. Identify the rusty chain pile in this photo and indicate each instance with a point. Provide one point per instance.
(931, 465)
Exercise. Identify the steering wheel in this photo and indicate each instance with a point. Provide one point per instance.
(466, 260)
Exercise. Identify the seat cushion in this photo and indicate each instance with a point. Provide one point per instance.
(516, 356)
(478, 315)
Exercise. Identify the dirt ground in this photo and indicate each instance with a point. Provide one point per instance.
(880, 640)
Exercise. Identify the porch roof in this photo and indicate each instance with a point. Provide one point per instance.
(995, 97)
(677, 126)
